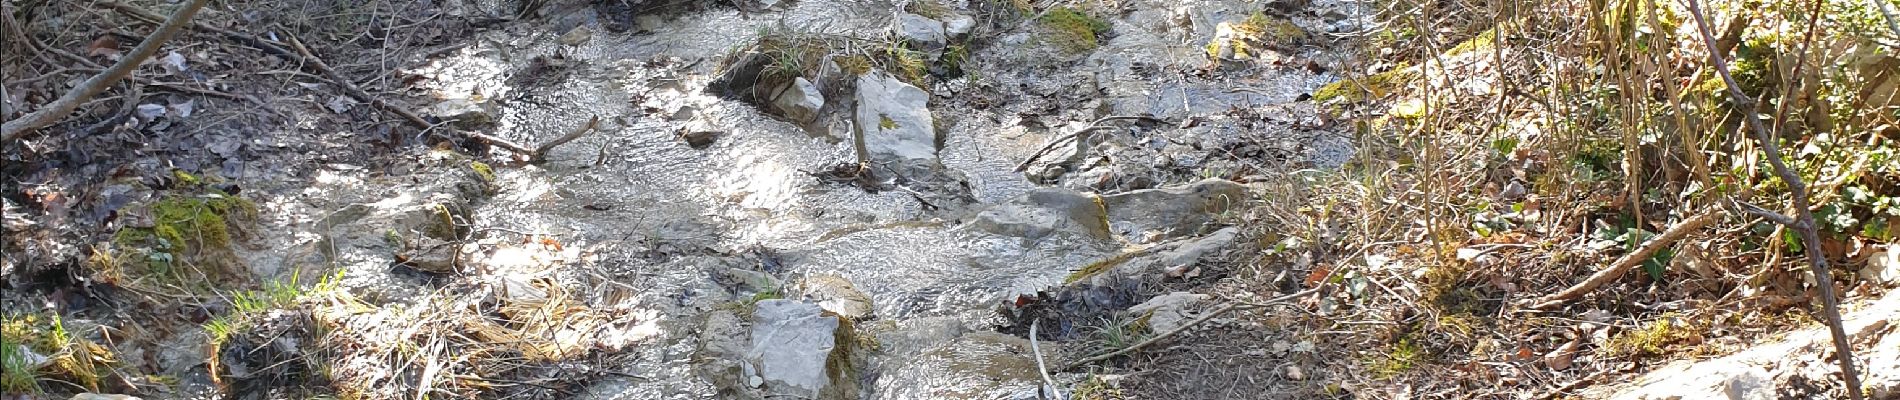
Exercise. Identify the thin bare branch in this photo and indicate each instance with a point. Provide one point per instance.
(1804, 218)
(1632, 259)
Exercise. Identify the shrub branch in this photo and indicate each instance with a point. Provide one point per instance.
(1803, 219)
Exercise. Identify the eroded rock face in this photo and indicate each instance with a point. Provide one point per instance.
(1044, 212)
(894, 121)
(791, 344)
(1151, 215)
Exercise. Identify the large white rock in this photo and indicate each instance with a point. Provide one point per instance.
(790, 342)
(958, 25)
(894, 120)
(799, 101)
(925, 33)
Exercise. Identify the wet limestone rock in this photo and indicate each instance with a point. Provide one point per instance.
(926, 34)
(467, 112)
(1151, 215)
(799, 101)
(977, 365)
(1168, 311)
(959, 25)
(792, 342)
(836, 295)
(1044, 212)
(894, 123)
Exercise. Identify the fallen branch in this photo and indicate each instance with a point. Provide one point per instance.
(311, 60)
(1803, 218)
(1632, 259)
(1216, 312)
(1099, 124)
(542, 151)
(1049, 385)
(53, 112)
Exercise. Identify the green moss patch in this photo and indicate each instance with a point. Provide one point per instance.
(1074, 30)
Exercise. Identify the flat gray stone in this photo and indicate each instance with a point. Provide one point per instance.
(894, 120)
(791, 341)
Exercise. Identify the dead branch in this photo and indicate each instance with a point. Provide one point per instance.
(1216, 312)
(311, 60)
(1099, 124)
(1803, 217)
(1632, 259)
(1048, 385)
(53, 112)
(542, 151)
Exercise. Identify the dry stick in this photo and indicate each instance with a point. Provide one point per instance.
(542, 151)
(19, 127)
(1216, 312)
(1633, 258)
(1093, 126)
(1803, 218)
(350, 88)
(1042, 368)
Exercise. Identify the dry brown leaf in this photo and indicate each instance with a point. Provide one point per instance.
(105, 46)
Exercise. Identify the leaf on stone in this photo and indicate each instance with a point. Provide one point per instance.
(105, 46)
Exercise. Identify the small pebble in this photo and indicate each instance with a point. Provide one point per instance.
(1294, 373)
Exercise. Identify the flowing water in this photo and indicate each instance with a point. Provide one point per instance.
(658, 215)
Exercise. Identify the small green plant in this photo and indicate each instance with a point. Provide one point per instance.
(1114, 334)
(1653, 338)
(1401, 357)
(1074, 30)
(482, 170)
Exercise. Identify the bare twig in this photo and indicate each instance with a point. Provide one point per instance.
(58, 109)
(1099, 124)
(1049, 385)
(1632, 259)
(541, 152)
(1216, 312)
(1803, 218)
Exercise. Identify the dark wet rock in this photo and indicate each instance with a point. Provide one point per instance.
(1146, 216)
(894, 121)
(699, 139)
(836, 295)
(699, 133)
(1044, 212)
(799, 100)
(429, 254)
(467, 113)
(792, 345)
(978, 365)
